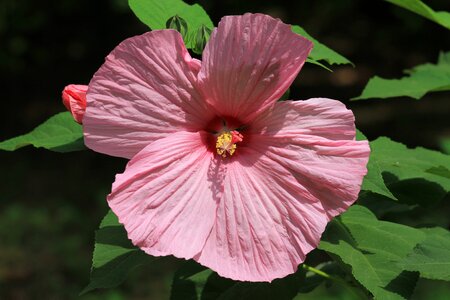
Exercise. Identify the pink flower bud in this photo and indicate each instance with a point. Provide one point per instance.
(74, 98)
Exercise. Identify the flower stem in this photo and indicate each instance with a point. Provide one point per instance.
(322, 273)
(355, 291)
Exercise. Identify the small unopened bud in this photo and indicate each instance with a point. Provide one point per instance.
(179, 24)
(74, 99)
(201, 38)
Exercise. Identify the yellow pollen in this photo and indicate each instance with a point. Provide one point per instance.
(224, 144)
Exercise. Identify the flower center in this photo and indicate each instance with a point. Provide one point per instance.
(226, 142)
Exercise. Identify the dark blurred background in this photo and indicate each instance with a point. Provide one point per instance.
(51, 203)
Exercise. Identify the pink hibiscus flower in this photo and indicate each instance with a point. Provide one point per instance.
(220, 172)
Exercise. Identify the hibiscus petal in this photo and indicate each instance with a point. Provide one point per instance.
(264, 228)
(144, 91)
(315, 138)
(329, 171)
(249, 63)
(167, 196)
(322, 117)
(301, 169)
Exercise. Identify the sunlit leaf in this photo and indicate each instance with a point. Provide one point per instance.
(317, 63)
(419, 81)
(155, 13)
(432, 256)
(114, 255)
(440, 17)
(360, 136)
(321, 52)
(59, 133)
(371, 248)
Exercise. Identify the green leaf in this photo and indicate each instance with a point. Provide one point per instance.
(189, 281)
(312, 280)
(419, 81)
(410, 174)
(432, 256)
(60, 133)
(373, 181)
(372, 248)
(360, 136)
(414, 176)
(315, 62)
(320, 51)
(381, 205)
(114, 255)
(155, 13)
(440, 17)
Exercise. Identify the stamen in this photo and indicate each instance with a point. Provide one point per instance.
(226, 142)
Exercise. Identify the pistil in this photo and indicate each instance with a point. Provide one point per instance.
(226, 142)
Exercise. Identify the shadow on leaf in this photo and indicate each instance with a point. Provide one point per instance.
(113, 235)
(403, 284)
(414, 191)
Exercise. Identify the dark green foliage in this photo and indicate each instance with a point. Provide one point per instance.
(114, 255)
